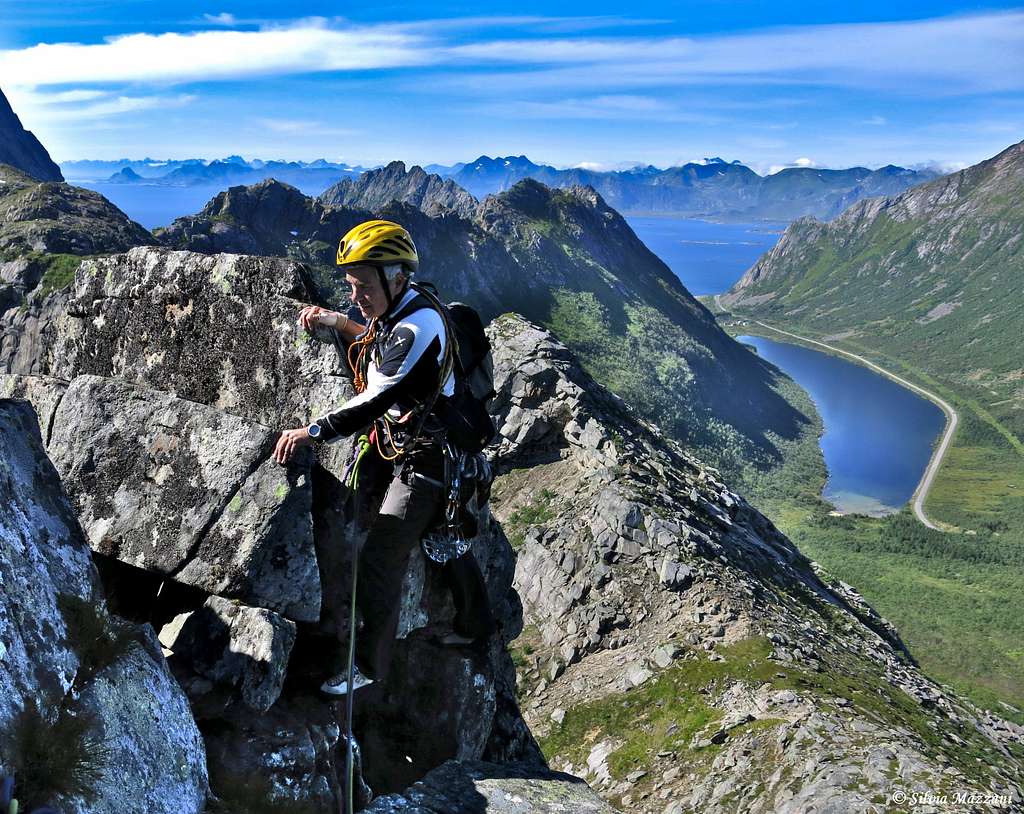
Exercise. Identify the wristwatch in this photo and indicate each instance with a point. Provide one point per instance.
(314, 431)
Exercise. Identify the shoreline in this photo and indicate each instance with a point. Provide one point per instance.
(952, 418)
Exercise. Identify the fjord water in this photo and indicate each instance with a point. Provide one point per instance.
(150, 205)
(708, 257)
(878, 435)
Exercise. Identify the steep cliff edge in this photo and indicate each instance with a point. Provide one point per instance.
(679, 652)
(22, 150)
(930, 277)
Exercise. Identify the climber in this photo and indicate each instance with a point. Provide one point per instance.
(402, 371)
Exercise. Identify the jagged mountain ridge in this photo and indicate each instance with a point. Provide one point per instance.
(714, 188)
(21, 149)
(924, 276)
(680, 653)
(562, 257)
(636, 566)
(375, 189)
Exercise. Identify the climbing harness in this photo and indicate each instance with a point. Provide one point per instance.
(448, 540)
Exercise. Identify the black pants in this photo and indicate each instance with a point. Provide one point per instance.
(408, 508)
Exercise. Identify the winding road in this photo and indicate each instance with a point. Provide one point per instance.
(952, 419)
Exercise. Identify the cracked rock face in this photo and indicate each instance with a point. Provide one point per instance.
(188, 491)
(233, 644)
(48, 655)
(679, 652)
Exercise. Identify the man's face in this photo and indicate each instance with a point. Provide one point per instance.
(367, 292)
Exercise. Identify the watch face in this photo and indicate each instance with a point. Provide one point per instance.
(313, 430)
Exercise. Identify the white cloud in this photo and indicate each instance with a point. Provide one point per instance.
(950, 55)
(302, 127)
(70, 96)
(224, 18)
(607, 166)
(800, 162)
(943, 56)
(77, 105)
(309, 46)
(876, 121)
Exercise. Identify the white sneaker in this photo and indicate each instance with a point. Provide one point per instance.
(338, 685)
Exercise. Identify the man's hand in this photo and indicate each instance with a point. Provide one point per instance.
(289, 442)
(313, 316)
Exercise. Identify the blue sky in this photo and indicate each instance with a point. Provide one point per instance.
(593, 83)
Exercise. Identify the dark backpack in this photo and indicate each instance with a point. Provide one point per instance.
(464, 414)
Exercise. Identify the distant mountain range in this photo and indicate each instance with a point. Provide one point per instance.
(231, 171)
(714, 188)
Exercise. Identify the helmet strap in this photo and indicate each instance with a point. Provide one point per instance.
(387, 287)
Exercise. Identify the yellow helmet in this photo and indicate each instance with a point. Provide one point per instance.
(378, 243)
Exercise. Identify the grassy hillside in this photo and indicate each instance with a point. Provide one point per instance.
(929, 285)
(947, 592)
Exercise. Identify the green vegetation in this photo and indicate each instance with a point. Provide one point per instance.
(60, 272)
(536, 513)
(671, 713)
(56, 756)
(927, 286)
(92, 635)
(659, 366)
(946, 592)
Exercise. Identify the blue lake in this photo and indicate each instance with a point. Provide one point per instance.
(707, 257)
(878, 435)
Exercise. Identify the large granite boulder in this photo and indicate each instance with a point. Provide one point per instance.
(156, 759)
(477, 787)
(229, 643)
(188, 491)
(62, 657)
